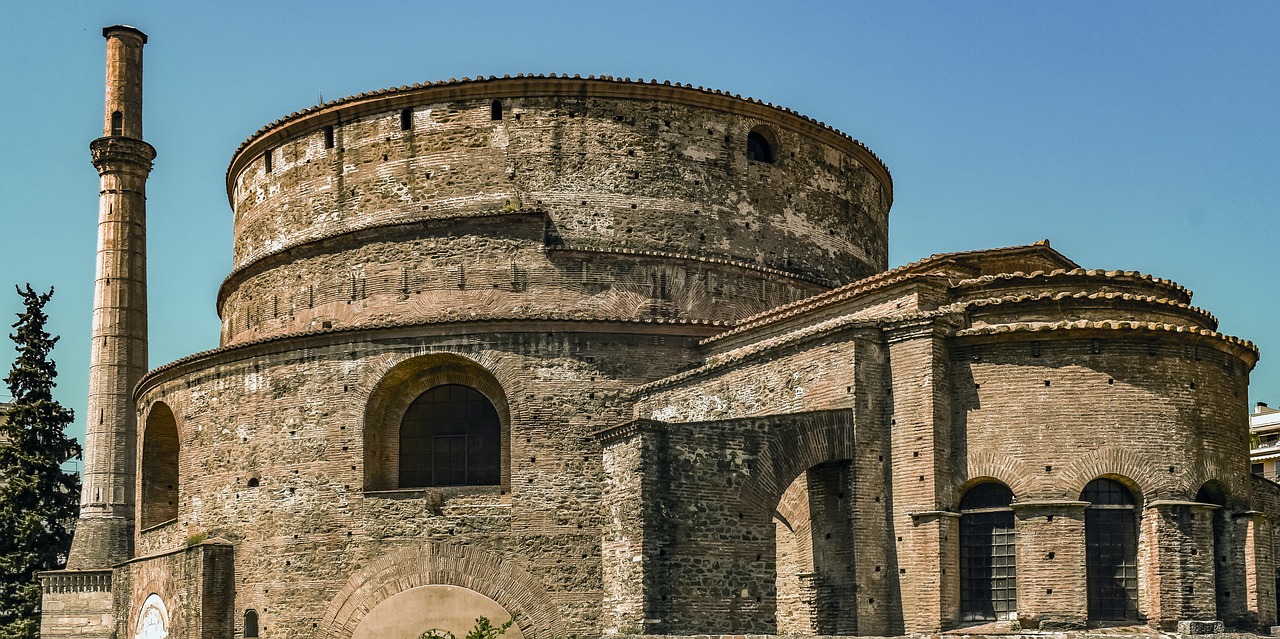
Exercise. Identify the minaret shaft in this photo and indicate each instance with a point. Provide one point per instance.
(118, 353)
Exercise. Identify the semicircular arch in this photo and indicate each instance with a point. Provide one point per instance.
(398, 385)
(509, 585)
(803, 441)
(1137, 472)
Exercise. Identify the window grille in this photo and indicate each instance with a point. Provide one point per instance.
(450, 436)
(988, 566)
(1111, 551)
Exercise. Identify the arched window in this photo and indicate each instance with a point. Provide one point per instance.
(759, 146)
(159, 468)
(1111, 551)
(988, 571)
(250, 623)
(1212, 492)
(450, 436)
(117, 123)
(495, 110)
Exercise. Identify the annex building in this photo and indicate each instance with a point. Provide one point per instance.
(626, 357)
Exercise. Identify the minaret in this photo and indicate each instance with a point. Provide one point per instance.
(118, 355)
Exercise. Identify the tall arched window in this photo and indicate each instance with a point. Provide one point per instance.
(450, 436)
(1212, 492)
(159, 468)
(1111, 551)
(988, 571)
(250, 623)
(117, 123)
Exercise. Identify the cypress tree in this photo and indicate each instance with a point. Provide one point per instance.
(38, 500)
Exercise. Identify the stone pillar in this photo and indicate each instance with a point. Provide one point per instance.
(118, 352)
(633, 540)
(1260, 567)
(1051, 564)
(1180, 581)
(926, 536)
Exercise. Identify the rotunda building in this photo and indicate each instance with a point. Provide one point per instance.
(609, 357)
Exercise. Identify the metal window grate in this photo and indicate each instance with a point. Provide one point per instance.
(450, 436)
(1111, 551)
(988, 567)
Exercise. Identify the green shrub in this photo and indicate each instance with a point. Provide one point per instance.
(484, 629)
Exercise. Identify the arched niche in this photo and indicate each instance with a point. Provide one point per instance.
(158, 468)
(396, 392)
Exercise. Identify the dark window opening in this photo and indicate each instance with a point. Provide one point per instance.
(495, 110)
(988, 570)
(266, 159)
(1111, 551)
(159, 468)
(117, 123)
(758, 148)
(1212, 492)
(450, 436)
(1257, 469)
(250, 623)
(328, 137)
(406, 119)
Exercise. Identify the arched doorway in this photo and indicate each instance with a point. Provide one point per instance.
(1111, 550)
(813, 524)
(988, 567)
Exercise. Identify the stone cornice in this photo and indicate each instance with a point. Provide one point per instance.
(259, 263)
(1209, 318)
(1178, 503)
(1077, 273)
(1244, 349)
(628, 429)
(470, 325)
(685, 257)
(759, 349)
(344, 109)
(917, 270)
(1049, 504)
(117, 153)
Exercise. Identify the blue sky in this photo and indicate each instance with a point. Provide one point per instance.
(1133, 135)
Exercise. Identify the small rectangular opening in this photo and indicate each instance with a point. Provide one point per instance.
(266, 159)
(328, 137)
(495, 110)
(406, 119)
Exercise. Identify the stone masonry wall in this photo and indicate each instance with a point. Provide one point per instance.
(630, 173)
(489, 266)
(271, 459)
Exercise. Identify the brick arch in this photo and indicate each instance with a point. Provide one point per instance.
(801, 442)
(158, 468)
(391, 386)
(1139, 473)
(149, 579)
(983, 466)
(445, 564)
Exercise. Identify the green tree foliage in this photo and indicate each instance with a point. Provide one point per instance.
(484, 629)
(38, 501)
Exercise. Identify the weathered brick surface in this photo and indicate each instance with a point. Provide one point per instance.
(697, 434)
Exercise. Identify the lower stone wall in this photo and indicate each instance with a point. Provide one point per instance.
(77, 603)
(195, 587)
